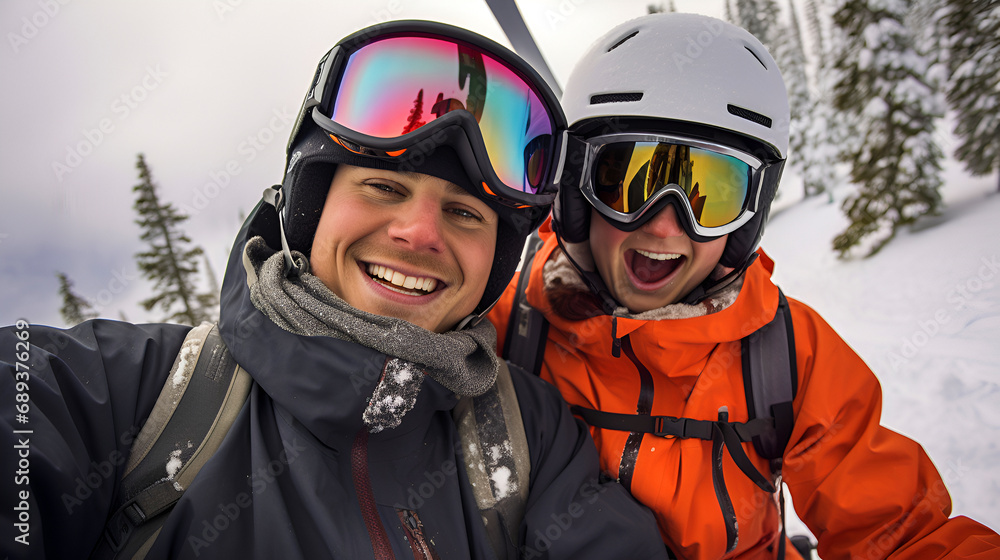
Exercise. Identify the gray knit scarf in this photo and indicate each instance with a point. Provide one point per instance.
(465, 361)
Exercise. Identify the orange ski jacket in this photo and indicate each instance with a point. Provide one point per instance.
(863, 490)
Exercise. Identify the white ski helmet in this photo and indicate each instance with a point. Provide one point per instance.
(688, 76)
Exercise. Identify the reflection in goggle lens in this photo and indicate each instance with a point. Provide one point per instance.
(628, 174)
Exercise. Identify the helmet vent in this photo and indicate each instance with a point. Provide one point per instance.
(622, 40)
(749, 115)
(615, 98)
(755, 56)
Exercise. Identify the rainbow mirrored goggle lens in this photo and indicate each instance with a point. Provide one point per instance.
(396, 85)
(627, 177)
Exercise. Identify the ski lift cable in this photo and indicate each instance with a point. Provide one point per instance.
(512, 23)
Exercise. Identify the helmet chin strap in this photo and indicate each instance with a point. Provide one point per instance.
(593, 280)
(273, 196)
(710, 287)
(474, 319)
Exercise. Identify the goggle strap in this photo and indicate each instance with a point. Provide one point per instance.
(314, 96)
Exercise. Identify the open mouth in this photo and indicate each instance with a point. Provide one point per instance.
(652, 268)
(399, 282)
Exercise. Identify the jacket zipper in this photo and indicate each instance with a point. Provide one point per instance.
(381, 548)
(631, 451)
(422, 549)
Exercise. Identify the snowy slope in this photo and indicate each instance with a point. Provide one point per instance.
(924, 313)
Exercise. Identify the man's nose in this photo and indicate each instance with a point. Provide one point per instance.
(418, 226)
(664, 223)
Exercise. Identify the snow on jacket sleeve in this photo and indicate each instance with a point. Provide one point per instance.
(865, 491)
(572, 512)
(88, 390)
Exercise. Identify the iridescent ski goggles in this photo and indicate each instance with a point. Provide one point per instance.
(401, 89)
(628, 174)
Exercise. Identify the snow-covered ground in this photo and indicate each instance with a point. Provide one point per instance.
(924, 313)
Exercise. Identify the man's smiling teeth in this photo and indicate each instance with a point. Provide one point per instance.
(399, 279)
(658, 256)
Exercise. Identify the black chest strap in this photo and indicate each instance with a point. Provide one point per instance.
(731, 434)
(770, 381)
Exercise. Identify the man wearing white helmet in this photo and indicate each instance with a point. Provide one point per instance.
(704, 387)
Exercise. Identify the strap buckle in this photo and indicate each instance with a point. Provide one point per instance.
(668, 426)
(121, 526)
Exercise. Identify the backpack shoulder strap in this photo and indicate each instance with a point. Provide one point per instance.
(527, 328)
(203, 393)
(770, 380)
(488, 422)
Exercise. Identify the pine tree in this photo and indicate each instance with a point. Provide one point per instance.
(75, 309)
(813, 151)
(973, 29)
(211, 298)
(760, 18)
(816, 31)
(730, 17)
(792, 61)
(894, 160)
(415, 120)
(830, 130)
(168, 263)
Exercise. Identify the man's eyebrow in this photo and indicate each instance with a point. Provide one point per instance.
(455, 189)
(451, 188)
(411, 175)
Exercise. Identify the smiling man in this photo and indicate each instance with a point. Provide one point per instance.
(406, 245)
(380, 422)
(705, 388)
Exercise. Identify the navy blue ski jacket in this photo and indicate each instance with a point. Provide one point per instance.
(297, 476)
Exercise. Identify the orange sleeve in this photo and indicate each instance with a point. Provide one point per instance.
(865, 491)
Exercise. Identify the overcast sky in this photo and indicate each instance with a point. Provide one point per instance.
(205, 89)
